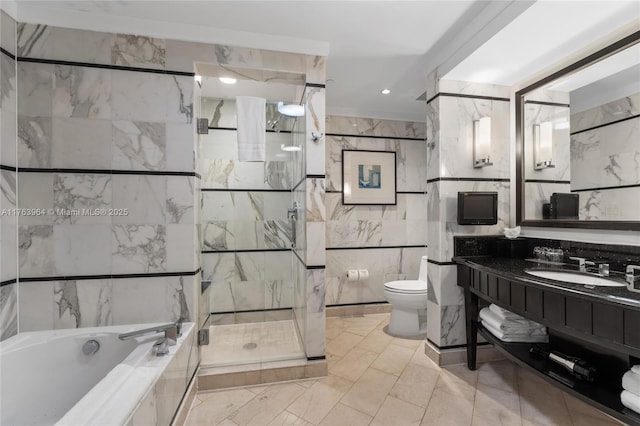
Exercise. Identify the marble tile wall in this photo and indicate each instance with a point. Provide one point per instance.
(607, 156)
(8, 180)
(450, 170)
(381, 239)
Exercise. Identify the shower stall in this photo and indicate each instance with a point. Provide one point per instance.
(251, 219)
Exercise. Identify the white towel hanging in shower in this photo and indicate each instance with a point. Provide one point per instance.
(251, 118)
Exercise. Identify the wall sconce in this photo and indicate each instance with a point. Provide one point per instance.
(542, 145)
(482, 142)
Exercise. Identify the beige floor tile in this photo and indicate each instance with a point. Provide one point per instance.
(341, 415)
(420, 358)
(447, 410)
(542, 404)
(343, 343)
(307, 383)
(376, 341)
(316, 402)
(332, 333)
(268, 405)
(368, 393)
(416, 385)
(211, 408)
(288, 419)
(393, 359)
(408, 343)
(226, 422)
(501, 374)
(457, 380)
(395, 412)
(494, 406)
(353, 365)
(361, 325)
(584, 414)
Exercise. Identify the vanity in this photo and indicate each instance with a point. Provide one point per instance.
(600, 324)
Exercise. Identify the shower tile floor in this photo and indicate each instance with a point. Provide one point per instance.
(235, 344)
(377, 379)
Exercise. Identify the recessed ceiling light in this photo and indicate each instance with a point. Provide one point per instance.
(228, 80)
(385, 91)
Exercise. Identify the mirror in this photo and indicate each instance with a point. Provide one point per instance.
(578, 143)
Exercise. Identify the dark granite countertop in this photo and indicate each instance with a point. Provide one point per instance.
(513, 269)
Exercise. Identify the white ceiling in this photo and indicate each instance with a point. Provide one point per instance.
(370, 45)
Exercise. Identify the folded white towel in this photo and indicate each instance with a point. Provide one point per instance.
(252, 127)
(636, 369)
(631, 382)
(83, 410)
(117, 409)
(510, 338)
(504, 314)
(522, 327)
(630, 400)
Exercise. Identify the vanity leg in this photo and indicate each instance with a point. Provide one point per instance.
(471, 315)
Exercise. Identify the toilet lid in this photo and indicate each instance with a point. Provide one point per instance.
(406, 286)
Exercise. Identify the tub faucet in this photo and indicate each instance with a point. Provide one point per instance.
(161, 346)
(633, 281)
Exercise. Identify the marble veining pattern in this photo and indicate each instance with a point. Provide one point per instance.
(7, 83)
(8, 311)
(138, 51)
(139, 248)
(81, 92)
(607, 113)
(34, 141)
(74, 194)
(139, 145)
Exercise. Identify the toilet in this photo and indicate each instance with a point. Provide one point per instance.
(409, 304)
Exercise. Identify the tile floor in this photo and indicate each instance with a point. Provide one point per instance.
(376, 379)
(235, 344)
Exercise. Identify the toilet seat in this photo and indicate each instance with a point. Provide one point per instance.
(406, 286)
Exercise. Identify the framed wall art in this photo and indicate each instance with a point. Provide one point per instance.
(368, 177)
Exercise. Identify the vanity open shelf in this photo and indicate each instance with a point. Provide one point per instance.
(606, 399)
(598, 324)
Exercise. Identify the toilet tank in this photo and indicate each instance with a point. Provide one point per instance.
(422, 276)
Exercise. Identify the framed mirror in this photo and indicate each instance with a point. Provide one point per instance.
(578, 143)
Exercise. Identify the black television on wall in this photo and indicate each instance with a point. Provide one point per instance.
(477, 208)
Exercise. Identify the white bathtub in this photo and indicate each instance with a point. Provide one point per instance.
(44, 374)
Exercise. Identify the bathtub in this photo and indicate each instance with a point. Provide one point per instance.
(45, 375)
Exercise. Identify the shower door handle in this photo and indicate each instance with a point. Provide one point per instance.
(292, 214)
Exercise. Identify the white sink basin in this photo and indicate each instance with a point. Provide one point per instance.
(575, 277)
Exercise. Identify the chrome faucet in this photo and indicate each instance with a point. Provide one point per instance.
(582, 263)
(161, 347)
(633, 281)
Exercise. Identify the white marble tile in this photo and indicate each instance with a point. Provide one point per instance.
(7, 32)
(250, 266)
(452, 325)
(82, 249)
(82, 303)
(471, 88)
(144, 197)
(611, 204)
(179, 99)
(8, 132)
(179, 243)
(81, 92)
(36, 192)
(81, 198)
(180, 200)
(47, 42)
(315, 124)
(36, 306)
(8, 245)
(138, 51)
(165, 299)
(139, 145)
(545, 95)
(354, 233)
(219, 267)
(81, 143)
(611, 111)
(8, 94)
(34, 141)
(180, 147)
(139, 249)
(375, 127)
(433, 139)
(140, 96)
(456, 116)
(314, 340)
(36, 246)
(35, 89)
(8, 311)
(315, 243)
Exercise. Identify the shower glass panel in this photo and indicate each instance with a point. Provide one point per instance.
(247, 237)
